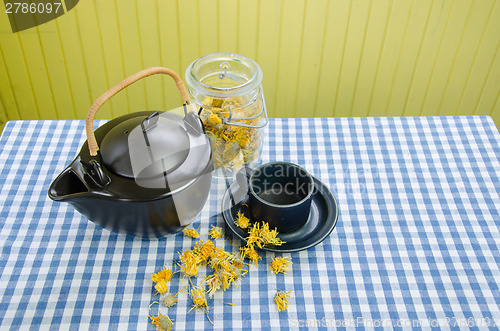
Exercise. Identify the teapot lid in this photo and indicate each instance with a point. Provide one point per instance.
(162, 150)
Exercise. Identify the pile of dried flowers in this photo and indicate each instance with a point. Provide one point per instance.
(228, 268)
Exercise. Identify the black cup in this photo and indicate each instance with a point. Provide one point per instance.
(280, 193)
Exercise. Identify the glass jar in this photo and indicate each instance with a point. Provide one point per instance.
(227, 90)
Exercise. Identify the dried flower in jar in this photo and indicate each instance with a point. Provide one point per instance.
(232, 145)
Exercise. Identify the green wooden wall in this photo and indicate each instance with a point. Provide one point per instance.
(319, 57)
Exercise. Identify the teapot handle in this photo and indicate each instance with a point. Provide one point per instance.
(89, 122)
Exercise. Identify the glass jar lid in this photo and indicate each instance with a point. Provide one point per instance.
(224, 75)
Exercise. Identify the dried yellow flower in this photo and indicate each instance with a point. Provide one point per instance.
(161, 287)
(190, 263)
(216, 232)
(219, 253)
(249, 251)
(242, 221)
(206, 250)
(162, 322)
(269, 237)
(214, 119)
(232, 145)
(261, 235)
(199, 300)
(254, 236)
(281, 299)
(170, 300)
(214, 283)
(191, 233)
(163, 274)
(280, 264)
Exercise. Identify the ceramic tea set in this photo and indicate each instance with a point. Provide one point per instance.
(149, 174)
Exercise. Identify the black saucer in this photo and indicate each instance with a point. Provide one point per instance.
(322, 219)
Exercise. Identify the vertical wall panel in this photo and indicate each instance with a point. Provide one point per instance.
(31, 52)
(376, 29)
(248, 19)
(131, 52)
(76, 67)
(93, 52)
(169, 43)
(354, 43)
(111, 46)
(189, 28)
(439, 18)
(147, 26)
(333, 56)
(228, 25)
(207, 35)
(315, 19)
(57, 74)
(289, 54)
(409, 53)
(8, 99)
(3, 115)
(319, 58)
(466, 55)
(481, 66)
(267, 54)
(490, 92)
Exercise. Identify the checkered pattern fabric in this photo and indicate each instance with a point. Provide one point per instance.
(417, 240)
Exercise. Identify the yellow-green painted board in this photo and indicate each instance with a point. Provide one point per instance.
(131, 52)
(248, 20)
(270, 14)
(376, 28)
(466, 54)
(15, 81)
(482, 65)
(108, 29)
(189, 28)
(76, 67)
(409, 53)
(3, 115)
(206, 37)
(228, 25)
(333, 56)
(169, 44)
(287, 70)
(312, 40)
(147, 27)
(431, 45)
(319, 58)
(354, 44)
(9, 102)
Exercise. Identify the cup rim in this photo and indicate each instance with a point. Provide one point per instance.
(309, 194)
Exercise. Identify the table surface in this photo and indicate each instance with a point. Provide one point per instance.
(417, 240)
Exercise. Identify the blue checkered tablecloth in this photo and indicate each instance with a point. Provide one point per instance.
(417, 241)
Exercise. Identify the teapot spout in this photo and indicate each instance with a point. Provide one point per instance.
(66, 186)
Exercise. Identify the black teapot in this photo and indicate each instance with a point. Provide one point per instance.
(145, 174)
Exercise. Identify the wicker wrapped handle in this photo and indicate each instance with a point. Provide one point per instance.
(89, 123)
